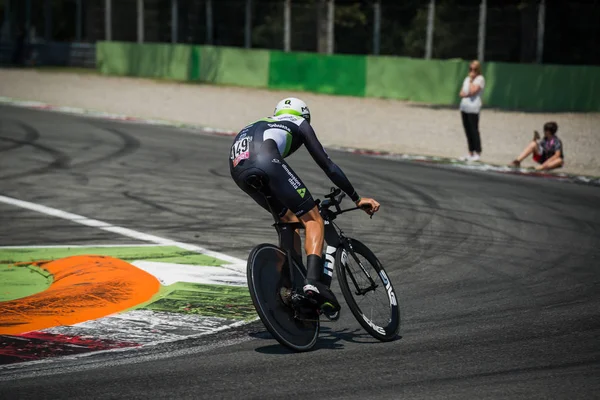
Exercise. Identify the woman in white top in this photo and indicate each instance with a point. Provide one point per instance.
(470, 106)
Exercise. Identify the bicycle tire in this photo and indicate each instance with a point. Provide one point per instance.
(265, 264)
(343, 269)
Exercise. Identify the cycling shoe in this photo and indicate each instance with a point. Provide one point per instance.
(324, 297)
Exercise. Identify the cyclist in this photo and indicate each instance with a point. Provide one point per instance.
(258, 151)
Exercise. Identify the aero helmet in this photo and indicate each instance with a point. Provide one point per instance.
(293, 106)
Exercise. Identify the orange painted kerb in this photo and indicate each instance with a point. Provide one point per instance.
(84, 288)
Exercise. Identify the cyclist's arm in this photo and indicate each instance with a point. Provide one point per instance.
(315, 148)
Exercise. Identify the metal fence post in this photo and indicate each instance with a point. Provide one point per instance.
(27, 16)
(430, 27)
(377, 27)
(540, 31)
(287, 25)
(209, 22)
(481, 32)
(47, 20)
(330, 26)
(78, 21)
(140, 21)
(248, 28)
(6, 21)
(108, 20)
(174, 21)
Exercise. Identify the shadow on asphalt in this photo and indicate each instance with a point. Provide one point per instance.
(328, 339)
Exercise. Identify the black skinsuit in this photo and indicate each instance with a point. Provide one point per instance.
(259, 150)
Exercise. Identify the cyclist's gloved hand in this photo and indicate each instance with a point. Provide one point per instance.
(371, 206)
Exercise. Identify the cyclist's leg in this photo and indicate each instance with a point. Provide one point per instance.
(315, 285)
(314, 235)
(294, 195)
(289, 217)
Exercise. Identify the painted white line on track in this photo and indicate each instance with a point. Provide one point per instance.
(237, 264)
(80, 246)
(169, 273)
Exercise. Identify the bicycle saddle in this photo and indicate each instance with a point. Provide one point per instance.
(255, 181)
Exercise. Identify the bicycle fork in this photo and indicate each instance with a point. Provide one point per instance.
(335, 241)
(348, 249)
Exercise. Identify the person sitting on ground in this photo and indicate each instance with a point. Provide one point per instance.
(548, 152)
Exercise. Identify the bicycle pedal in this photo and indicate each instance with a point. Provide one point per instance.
(303, 301)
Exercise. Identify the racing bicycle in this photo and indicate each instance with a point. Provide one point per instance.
(276, 277)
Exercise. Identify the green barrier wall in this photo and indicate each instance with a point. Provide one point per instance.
(333, 74)
(430, 81)
(230, 66)
(510, 86)
(542, 87)
(148, 60)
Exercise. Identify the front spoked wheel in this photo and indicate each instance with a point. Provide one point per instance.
(269, 285)
(368, 290)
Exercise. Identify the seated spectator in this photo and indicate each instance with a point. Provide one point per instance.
(548, 152)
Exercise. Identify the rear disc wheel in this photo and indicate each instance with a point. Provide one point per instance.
(267, 267)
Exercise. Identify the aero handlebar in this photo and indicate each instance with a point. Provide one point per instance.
(333, 199)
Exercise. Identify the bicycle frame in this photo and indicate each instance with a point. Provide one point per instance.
(334, 238)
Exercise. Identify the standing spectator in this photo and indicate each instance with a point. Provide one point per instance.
(548, 152)
(470, 106)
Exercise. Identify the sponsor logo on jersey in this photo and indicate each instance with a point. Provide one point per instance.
(276, 161)
(285, 128)
(301, 192)
(295, 182)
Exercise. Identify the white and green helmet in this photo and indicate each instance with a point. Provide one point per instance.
(293, 106)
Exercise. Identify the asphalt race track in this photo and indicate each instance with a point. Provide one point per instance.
(498, 275)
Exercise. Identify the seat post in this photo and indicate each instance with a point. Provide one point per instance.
(285, 230)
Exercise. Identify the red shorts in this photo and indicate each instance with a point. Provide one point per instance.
(540, 159)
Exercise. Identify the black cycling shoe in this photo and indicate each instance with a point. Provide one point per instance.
(324, 297)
